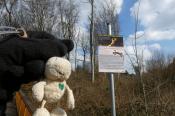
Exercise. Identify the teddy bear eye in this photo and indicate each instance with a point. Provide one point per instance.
(60, 73)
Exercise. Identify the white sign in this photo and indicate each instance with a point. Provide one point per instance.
(111, 59)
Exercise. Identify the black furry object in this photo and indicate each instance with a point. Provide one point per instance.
(34, 71)
(40, 35)
(16, 52)
(22, 60)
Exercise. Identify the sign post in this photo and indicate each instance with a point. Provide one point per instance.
(111, 82)
(110, 58)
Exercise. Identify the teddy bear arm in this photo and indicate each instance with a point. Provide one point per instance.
(70, 98)
(38, 91)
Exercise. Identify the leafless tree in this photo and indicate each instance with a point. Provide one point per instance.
(41, 13)
(76, 42)
(1, 11)
(107, 14)
(92, 41)
(157, 61)
(68, 13)
(7, 11)
(30, 14)
(160, 69)
(137, 59)
(84, 44)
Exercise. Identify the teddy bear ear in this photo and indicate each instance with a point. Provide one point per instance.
(69, 44)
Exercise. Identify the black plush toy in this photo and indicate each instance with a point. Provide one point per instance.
(23, 59)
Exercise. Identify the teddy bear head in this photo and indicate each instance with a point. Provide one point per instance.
(57, 69)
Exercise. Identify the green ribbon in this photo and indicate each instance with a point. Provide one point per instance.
(61, 86)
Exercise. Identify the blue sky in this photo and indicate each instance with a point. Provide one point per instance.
(126, 21)
(164, 38)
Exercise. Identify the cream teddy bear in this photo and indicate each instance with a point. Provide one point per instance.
(57, 71)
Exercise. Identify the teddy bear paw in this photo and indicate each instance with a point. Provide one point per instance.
(41, 112)
(71, 106)
(58, 112)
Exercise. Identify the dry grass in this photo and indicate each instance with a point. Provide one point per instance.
(93, 99)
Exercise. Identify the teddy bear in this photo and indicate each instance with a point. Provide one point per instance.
(22, 60)
(51, 90)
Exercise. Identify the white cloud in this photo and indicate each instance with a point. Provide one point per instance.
(138, 35)
(144, 51)
(160, 34)
(157, 17)
(155, 46)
